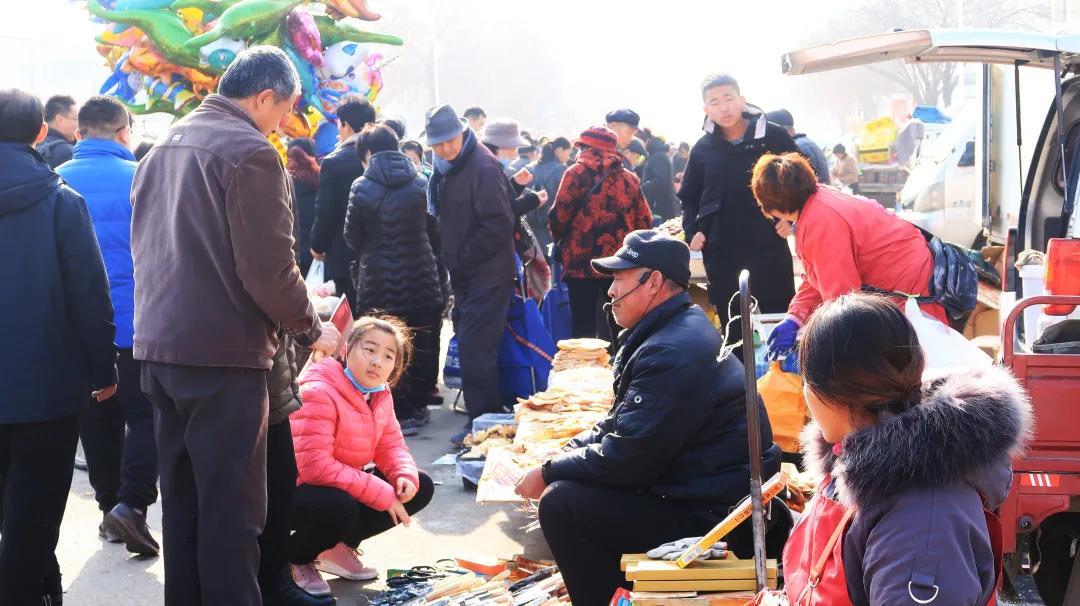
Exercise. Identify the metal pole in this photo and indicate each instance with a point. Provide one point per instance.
(753, 428)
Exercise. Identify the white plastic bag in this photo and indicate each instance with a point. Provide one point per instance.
(315, 275)
(942, 346)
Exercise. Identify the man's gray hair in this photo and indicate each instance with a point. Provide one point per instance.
(257, 69)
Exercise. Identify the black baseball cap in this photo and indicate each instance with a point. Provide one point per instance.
(781, 117)
(652, 249)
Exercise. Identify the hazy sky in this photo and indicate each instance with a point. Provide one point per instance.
(556, 65)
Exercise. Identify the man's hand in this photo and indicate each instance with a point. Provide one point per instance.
(398, 514)
(523, 177)
(104, 394)
(698, 242)
(327, 343)
(318, 256)
(783, 229)
(406, 490)
(532, 484)
(543, 195)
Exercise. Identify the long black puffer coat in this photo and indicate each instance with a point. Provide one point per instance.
(394, 237)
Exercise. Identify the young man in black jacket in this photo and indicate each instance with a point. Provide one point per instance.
(57, 316)
(339, 169)
(721, 219)
(672, 455)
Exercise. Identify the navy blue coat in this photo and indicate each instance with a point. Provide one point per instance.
(678, 427)
(56, 315)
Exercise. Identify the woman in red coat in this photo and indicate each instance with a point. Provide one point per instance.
(347, 423)
(845, 243)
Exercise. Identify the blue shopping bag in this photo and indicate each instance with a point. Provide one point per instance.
(555, 308)
(525, 352)
(452, 367)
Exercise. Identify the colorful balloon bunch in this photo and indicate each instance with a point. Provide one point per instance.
(166, 55)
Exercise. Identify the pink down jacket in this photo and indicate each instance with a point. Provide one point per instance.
(336, 433)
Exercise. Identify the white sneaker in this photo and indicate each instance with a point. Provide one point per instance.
(344, 561)
(308, 578)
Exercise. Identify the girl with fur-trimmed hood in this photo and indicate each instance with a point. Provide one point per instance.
(912, 469)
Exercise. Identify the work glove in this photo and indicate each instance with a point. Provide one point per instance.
(674, 549)
(782, 339)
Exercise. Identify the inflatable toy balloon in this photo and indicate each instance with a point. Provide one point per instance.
(295, 125)
(354, 8)
(120, 35)
(342, 59)
(279, 145)
(245, 19)
(326, 136)
(167, 55)
(305, 36)
(220, 53)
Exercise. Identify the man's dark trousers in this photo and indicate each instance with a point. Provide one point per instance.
(211, 437)
(589, 526)
(479, 320)
(280, 485)
(118, 440)
(36, 462)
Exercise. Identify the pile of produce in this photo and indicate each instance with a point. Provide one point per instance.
(581, 353)
(672, 227)
(484, 440)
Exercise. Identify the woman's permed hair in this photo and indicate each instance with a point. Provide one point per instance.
(783, 183)
(391, 326)
(860, 352)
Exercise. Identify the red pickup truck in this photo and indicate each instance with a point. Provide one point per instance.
(1042, 512)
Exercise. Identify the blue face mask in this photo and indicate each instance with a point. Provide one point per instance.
(505, 162)
(367, 391)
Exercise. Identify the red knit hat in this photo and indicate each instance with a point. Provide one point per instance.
(600, 137)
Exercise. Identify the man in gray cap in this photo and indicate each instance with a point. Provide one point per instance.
(671, 457)
(624, 122)
(470, 196)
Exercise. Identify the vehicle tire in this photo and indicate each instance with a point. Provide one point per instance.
(1055, 550)
(80, 457)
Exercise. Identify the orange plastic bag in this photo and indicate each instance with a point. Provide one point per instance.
(782, 393)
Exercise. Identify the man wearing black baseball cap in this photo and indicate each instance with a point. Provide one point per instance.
(671, 457)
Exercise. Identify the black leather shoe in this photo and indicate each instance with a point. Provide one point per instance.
(129, 524)
(284, 592)
(106, 534)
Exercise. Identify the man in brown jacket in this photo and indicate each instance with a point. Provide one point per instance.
(215, 277)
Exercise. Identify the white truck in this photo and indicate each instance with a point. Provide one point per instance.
(1041, 516)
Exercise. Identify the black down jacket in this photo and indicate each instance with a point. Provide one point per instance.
(394, 237)
(281, 383)
(678, 427)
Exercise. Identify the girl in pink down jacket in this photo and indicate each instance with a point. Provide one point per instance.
(347, 423)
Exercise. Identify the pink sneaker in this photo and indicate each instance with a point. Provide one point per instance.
(307, 578)
(344, 561)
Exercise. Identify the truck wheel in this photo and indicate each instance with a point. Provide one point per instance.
(1056, 564)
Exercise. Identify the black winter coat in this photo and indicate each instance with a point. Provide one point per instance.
(56, 149)
(477, 223)
(304, 220)
(57, 315)
(394, 237)
(339, 169)
(281, 383)
(678, 427)
(717, 200)
(548, 176)
(657, 182)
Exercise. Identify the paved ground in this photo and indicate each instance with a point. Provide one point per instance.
(99, 573)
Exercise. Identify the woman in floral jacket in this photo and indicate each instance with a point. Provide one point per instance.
(598, 203)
